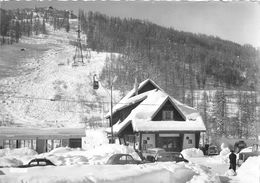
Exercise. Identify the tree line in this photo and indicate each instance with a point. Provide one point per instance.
(175, 59)
(229, 115)
(28, 22)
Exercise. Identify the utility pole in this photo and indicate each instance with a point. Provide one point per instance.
(111, 100)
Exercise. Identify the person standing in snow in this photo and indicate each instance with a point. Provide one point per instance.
(232, 160)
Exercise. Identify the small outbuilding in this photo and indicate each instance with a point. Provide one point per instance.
(147, 117)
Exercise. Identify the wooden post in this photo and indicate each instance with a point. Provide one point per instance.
(134, 142)
(140, 142)
(31, 143)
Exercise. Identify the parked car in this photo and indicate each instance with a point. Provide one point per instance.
(249, 152)
(122, 159)
(170, 156)
(38, 162)
(151, 153)
(212, 150)
(238, 146)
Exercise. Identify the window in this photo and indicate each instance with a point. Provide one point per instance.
(42, 163)
(130, 160)
(10, 144)
(122, 160)
(33, 163)
(167, 115)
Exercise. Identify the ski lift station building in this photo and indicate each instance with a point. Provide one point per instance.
(147, 117)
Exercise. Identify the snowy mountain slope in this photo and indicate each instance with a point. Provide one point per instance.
(54, 93)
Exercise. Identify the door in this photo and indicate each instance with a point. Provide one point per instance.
(170, 143)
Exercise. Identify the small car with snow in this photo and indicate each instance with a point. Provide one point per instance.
(38, 162)
(212, 150)
(170, 156)
(122, 159)
(151, 153)
(248, 152)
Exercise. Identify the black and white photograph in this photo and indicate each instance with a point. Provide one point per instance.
(117, 91)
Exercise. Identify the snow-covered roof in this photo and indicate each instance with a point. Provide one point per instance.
(129, 95)
(141, 117)
(50, 133)
(128, 101)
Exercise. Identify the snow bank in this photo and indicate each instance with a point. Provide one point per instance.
(60, 150)
(250, 170)
(223, 156)
(97, 155)
(17, 152)
(16, 157)
(230, 172)
(89, 166)
(94, 138)
(65, 155)
(164, 172)
(9, 162)
(192, 152)
(224, 152)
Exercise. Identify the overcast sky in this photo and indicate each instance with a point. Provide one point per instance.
(235, 21)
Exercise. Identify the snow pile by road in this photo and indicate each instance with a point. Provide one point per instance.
(17, 152)
(166, 172)
(90, 166)
(192, 152)
(230, 172)
(97, 155)
(250, 170)
(94, 138)
(223, 156)
(15, 157)
(66, 155)
(9, 162)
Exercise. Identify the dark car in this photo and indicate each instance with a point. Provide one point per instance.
(238, 146)
(38, 162)
(213, 150)
(122, 159)
(170, 156)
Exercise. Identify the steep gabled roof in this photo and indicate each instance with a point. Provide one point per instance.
(141, 117)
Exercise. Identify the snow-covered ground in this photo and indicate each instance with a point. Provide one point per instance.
(52, 92)
(89, 165)
(78, 165)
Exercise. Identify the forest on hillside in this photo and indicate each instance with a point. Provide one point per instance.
(181, 62)
(30, 21)
(175, 59)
